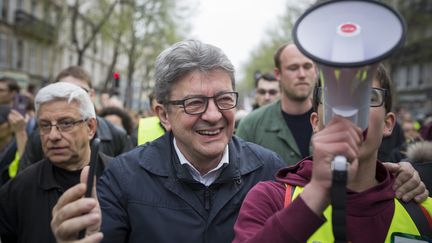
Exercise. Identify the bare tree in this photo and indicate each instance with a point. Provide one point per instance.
(81, 40)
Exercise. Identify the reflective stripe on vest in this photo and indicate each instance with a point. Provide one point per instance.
(149, 129)
(401, 222)
(13, 166)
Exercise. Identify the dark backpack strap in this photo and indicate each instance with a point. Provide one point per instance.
(420, 216)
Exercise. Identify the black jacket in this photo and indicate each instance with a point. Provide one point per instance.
(113, 142)
(26, 203)
(146, 195)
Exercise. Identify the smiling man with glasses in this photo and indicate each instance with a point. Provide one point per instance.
(187, 185)
(67, 122)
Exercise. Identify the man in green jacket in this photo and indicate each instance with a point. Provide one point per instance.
(283, 126)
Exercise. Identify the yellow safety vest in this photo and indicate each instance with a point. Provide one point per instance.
(13, 166)
(401, 222)
(149, 129)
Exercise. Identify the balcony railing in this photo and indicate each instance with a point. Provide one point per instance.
(28, 24)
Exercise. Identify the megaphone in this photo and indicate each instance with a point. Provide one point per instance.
(347, 39)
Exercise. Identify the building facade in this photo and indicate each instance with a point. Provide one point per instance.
(35, 42)
(411, 67)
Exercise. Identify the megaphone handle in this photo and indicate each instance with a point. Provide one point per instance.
(338, 197)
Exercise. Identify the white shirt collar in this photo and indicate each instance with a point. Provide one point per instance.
(210, 176)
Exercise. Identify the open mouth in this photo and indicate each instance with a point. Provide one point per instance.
(209, 132)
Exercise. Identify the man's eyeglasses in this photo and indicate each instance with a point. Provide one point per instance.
(62, 126)
(270, 91)
(377, 97)
(198, 104)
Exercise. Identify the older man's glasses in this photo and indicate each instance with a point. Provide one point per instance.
(377, 97)
(198, 104)
(62, 126)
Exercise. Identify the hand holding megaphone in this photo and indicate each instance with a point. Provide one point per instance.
(345, 39)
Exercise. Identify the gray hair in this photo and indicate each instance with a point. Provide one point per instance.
(69, 92)
(183, 58)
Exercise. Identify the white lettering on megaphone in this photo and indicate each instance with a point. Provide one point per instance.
(348, 29)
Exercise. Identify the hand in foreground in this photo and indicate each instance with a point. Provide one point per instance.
(17, 121)
(73, 213)
(339, 137)
(408, 184)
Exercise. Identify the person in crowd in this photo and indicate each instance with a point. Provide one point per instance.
(420, 155)
(149, 128)
(19, 122)
(284, 125)
(13, 138)
(295, 208)
(266, 89)
(118, 117)
(426, 129)
(67, 122)
(410, 132)
(193, 179)
(114, 141)
(9, 88)
(411, 136)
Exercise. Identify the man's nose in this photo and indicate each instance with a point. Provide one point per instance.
(302, 72)
(212, 113)
(54, 133)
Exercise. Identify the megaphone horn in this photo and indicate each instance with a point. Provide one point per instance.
(346, 39)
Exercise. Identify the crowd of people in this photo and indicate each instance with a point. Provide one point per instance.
(184, 174)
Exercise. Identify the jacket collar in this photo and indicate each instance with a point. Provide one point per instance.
(278, 125)
(103, 131)
(46, 178)
(159, 157)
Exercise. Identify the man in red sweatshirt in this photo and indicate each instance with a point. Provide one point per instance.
(373, 214)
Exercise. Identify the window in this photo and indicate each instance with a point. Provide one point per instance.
(18, 54)
(2, 10)
(3, 50)
(32, 57)
(45, 61)
(421, 75)
(20, 4)
(33, 7)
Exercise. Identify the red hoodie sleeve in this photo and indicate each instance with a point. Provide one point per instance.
(263, 218)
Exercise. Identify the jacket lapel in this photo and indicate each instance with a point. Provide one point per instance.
(279, 126)
(230, 181)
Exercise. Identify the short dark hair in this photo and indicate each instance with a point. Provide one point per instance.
(76, 72)
(266, 76)
(381, 75)
(12, 84)
(183, 58)
(124, 116)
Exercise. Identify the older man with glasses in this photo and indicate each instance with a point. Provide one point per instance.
(67, 122)
(188, 185)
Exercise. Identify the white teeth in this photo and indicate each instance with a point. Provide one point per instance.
(209, 132)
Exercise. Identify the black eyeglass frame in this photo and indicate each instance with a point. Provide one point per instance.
(206, 100)
(61, 126)
(384, 92)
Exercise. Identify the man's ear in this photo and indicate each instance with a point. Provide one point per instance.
(162, 113)
(314, 121)
(276, 73)
(92, 126)
(389, 122)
